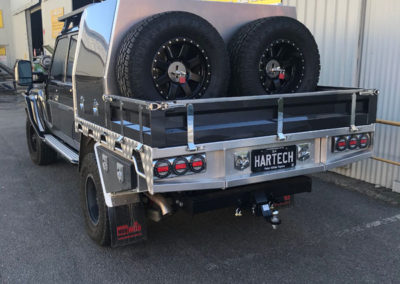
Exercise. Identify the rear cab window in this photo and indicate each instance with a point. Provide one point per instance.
(63, 60)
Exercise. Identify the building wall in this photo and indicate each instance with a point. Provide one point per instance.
(337, 25)
(380, 69)
(20, 41)
(49, 7)
(6, 34)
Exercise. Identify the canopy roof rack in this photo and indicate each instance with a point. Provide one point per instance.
(72, 20)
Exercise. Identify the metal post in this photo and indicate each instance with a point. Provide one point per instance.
(190, 127)
(281, 136)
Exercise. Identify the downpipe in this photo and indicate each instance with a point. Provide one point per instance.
(161, 202)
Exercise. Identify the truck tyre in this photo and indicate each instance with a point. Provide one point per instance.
(92, 202)
(41, 154)
(173, 55)
(272, 56)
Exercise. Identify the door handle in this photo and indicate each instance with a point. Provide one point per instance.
(56, 98)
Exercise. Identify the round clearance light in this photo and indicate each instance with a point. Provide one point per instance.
(197, 163)
(353, 143)
(162, 169)
(364, 141)
(341, 144)
(180, 166)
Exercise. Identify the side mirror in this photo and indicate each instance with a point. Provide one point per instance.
(23, 73)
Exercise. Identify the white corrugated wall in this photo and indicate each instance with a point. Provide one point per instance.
(336, 25)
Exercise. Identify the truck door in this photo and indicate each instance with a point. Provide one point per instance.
(59, 89)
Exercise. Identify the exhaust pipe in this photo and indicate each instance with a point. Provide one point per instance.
(162, 202)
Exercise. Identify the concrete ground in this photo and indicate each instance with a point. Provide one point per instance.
(330, 235)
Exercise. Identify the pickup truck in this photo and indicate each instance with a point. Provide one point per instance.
(160, 117)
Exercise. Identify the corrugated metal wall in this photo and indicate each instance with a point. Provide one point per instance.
(336, 25)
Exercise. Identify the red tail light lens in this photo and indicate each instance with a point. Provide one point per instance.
(353, 142)
(364, 141)
(340, 144)
(197, 163)
(162, 169)
(180, 166)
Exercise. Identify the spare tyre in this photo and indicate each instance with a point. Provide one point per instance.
(173, 55)
(272, 56)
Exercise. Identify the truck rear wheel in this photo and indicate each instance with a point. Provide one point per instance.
(173, 55)
(274, 55)
(40, 153)
(92, 202)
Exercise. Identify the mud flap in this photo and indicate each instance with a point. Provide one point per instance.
(127, 224)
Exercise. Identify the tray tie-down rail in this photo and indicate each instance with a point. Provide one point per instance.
(190, 104)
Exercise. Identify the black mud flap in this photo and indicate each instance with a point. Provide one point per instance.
(127, 224)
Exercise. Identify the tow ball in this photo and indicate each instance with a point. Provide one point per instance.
(266, 207)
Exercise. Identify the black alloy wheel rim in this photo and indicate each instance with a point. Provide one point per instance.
(91, 200)
(181, 69)
(281, 57)
(33, 139)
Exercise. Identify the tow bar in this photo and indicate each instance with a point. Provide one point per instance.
(262, 207)
(266, 207)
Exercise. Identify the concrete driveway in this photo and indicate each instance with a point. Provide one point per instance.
(330, 235)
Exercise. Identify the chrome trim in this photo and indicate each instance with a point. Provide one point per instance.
(273, 175)
(190, 128)
(353, 127)
(135, 164)
(345, 161)
(280, 135)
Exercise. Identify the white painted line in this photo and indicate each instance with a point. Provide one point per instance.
(367, 226)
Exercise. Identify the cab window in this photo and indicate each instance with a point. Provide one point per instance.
(58, 67)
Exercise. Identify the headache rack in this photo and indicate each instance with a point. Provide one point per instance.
(191, 122)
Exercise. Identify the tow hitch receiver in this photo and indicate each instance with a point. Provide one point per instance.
(265, 207)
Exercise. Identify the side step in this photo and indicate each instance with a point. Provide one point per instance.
(68, 153)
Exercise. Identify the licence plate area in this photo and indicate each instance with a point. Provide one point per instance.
(273, 159)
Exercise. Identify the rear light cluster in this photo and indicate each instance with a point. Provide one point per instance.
(179, 166)
(351, 142)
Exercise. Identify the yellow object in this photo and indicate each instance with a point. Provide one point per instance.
(2, 51)
(263, 2)
(56, 26)
(1, 19)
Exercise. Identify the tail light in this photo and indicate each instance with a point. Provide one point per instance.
(351, 142)
(162, 168)
(179, 166)
(197, 163)
(364, 141)
(340, 143)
